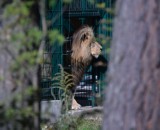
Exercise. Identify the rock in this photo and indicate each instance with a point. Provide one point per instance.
(88, 112)
(50, 110)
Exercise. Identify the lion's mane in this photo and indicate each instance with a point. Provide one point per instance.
(81, 53)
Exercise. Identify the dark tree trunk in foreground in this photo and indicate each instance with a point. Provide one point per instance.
(133, 95)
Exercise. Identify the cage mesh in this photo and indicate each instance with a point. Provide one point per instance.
(67, 19)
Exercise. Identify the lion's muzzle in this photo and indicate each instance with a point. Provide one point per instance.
(96, 49)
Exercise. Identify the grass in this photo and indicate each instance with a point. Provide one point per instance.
(83, 124)
(89, 125)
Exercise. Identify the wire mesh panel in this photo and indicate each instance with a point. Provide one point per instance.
(104, 31)
(53, 52)
(67, 19)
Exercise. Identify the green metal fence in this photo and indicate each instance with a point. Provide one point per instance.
(67, 18)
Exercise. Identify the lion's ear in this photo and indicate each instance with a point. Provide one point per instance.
(84, 36)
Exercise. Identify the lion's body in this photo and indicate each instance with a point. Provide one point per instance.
(84, 47)
(81, 55)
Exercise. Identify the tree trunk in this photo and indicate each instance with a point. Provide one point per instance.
(132, 99)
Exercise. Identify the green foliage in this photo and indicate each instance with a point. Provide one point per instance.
(1, 78)
(27, 58)
(17, 112)
(10, 113)
(69, 122)
(62, 82)
(63, 79)
(101, 5)
(91, 1)
(23, 8)
(22, 113)
(66, 122)
(55, 37)
(67, 1)
(18, 37)
(34, 36)
(52, 3)
(22, 40)
(89, 125)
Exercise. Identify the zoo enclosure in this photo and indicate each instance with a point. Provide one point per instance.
(67, 18)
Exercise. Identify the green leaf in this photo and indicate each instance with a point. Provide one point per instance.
(10, 113)
(101, 5)
(55, 36)
(34, 35)
(67, 1)
(91, 1)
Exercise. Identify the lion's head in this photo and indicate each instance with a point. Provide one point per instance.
(84, 45)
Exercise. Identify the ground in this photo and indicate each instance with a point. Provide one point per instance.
(86, 118)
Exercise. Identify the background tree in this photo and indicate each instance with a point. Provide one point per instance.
(21, 45)
(20, 38)
(133, 96)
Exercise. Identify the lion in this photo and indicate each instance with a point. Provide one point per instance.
(84, 48)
